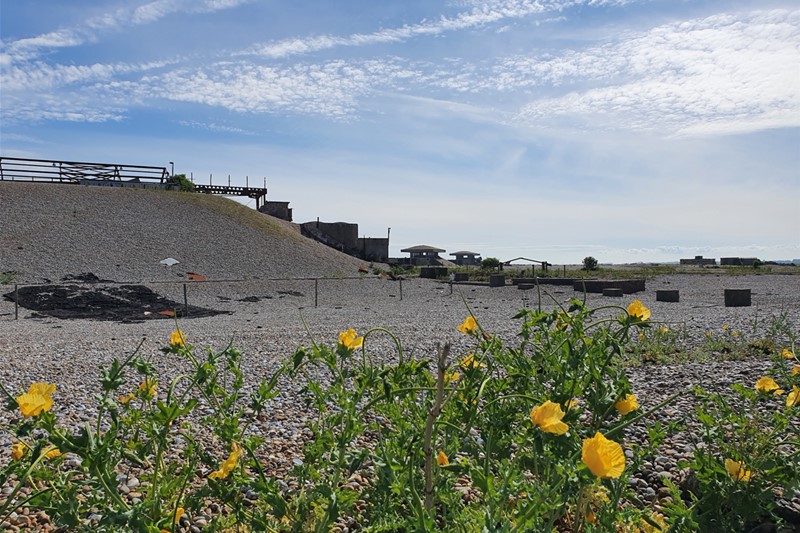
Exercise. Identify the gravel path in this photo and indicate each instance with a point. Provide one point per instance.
(268, 320)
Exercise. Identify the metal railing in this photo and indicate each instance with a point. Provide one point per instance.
(54, 171)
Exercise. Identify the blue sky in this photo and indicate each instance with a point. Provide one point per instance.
(629, 130)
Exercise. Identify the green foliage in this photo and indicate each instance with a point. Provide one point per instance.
(7, 277)
(490, 262)
(182, 182)
(589, 263)
(445, 443)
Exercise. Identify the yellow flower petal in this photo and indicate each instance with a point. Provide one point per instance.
(737, 470)
(663, 329)
(796, 370)
(793, 397)
(768, 385)
(36, 400)
(229, 464)
(468, 326)
(547, 417)
(637, 310)
(604, 457)
(179, 512)
(18, 451)
(725, 327)
(125, 399)
(452, 376)
(53, 452)
(441, 459)
(470, 362)
(177, 339)
(627, 404)
(350, 340)
(787, 354)
(148, 387)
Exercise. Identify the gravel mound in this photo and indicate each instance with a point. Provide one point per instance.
(54, 230)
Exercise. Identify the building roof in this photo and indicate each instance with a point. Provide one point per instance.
(473, 254)
(422, 248)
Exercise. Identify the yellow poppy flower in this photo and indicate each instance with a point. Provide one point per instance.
(737, 470)
(452, 376)
(350, 340)
(548, 418)
(177, 339)
(663, 329)
(441, 459)
(562, 320)
(641, 336)
(148, 387)
(470, 362)
(179, 512)
(637, 310)
(627, 404)
(229, 464)
(768, 385)
(709, 334)
(468, 326)
(53, 452)
(796, 370)
(793, 397)
(725, 327)
(735, 333)
(787, 354)
(18, 451)
(125, 399)
(36, 400)
(604, 457)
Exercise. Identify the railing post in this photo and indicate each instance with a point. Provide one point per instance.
(316, 292)
(401, 290)
(16, 302)
(185, 302)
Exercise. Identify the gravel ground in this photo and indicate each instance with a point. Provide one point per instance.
(272, 322)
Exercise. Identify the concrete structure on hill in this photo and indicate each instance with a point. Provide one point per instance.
(464, 258)
(699, 260)
(344, 237)
(424, 255)
(277, 209)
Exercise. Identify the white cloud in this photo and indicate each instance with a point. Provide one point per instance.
(723, 74)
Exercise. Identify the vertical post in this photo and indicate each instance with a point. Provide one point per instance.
(401, 290)
(565, 271)
(247, 181)
(451, 287)
(191, 176)
(229, 180)
(316, 292)
(185, 302)
(16, 302)
(209, 179)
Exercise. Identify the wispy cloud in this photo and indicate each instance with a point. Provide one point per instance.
(719, 75)
(30, 48)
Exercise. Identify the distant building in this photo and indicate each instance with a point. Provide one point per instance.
(344, 237)
(463, 258)
(423, 254)
(738, 261)
(699, 260)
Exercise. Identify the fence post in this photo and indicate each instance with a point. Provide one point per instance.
(401, 290)
(185, 302)
(16, 302)
(316, 292)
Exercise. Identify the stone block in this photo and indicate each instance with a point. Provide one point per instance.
(737, 297)
(668, 295)
(612, 291)
(497, 280)
(460, 276)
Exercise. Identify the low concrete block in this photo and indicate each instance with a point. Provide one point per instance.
(460, 276)
(497, 280)
(669, 295)
(432, 272)
(628, 286)
(737, 297)
(611, 291)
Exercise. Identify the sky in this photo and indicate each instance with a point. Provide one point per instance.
(628, 130)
